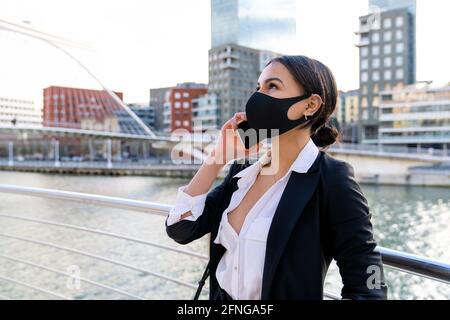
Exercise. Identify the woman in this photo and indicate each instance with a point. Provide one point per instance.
(273, 235)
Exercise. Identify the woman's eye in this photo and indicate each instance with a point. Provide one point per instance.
(271, 85)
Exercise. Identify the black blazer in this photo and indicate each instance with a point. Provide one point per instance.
(322, 215)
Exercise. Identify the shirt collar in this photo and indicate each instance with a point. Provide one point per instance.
(301, 164)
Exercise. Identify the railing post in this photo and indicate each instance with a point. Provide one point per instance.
(144, 150)
(56, 152)
(10, 153)
(91, 150)
(108, 152)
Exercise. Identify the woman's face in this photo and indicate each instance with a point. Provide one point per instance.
(276, 81)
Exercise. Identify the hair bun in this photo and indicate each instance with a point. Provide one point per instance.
(325, 136)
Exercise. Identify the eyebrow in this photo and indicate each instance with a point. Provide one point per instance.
(271, 79)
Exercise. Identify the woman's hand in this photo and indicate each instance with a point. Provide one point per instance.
(229, 145)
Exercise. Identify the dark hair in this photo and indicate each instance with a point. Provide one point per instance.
(315, 78)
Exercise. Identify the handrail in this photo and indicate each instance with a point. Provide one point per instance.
(87, 254)
(404, 262)
(384, 149)
(326, 294)
(436, 269)
(417, 265)
(107, 201)
(95, 283)
(190, 253)
(27, 285)
(109, 234)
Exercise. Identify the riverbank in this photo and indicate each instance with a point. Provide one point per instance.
(421, 178)
(154, 170)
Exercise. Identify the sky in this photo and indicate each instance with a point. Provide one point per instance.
(135, 45)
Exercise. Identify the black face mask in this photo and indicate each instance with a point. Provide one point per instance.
(269, 113)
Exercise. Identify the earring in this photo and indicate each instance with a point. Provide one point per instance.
(306, 118)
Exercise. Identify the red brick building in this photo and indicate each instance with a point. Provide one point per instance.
(178, 105)
(81, 108)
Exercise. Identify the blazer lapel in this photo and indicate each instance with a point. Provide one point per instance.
(296, 195)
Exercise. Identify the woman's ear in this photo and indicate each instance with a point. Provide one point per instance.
(314, 103)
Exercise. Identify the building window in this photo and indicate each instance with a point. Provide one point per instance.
(364, 89)
(185, 104)
(177, 104)
(387, 75)
(185, 94)
(399, 74)
(387, 62)
(387, 23)
(387, 49)
(375, 37)
(364, 39)
(364, 52)
(376, 63)
(364, 102)
(399, 21)
(177, 95)
(364, 64)
(399, 61)
(177, 123)
(365, 115)
(376, 76)
(185, 123)
(387, 36)
(364, 76)
(375, 50)
(399, 47)
(399, 35)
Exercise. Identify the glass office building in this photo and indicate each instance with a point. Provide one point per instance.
(384, 5)
(268, 25)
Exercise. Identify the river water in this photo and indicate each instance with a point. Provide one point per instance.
(411, 219)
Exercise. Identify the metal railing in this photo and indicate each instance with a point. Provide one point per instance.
(396, 151)
(413, 264)
(12, 160)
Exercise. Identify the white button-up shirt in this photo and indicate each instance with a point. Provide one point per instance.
(240, 269)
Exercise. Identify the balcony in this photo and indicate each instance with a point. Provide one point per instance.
(363, 43)
(228, 54)
(229, 65)
(363, 29)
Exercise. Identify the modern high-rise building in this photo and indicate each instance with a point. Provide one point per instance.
(268, 24)
(416, 116)
(178, 105)
(19, 112)
(233, 75)
(385, 5)
(245, 35)
(387, 49)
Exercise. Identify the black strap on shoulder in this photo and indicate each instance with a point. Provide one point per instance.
(201, 283)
